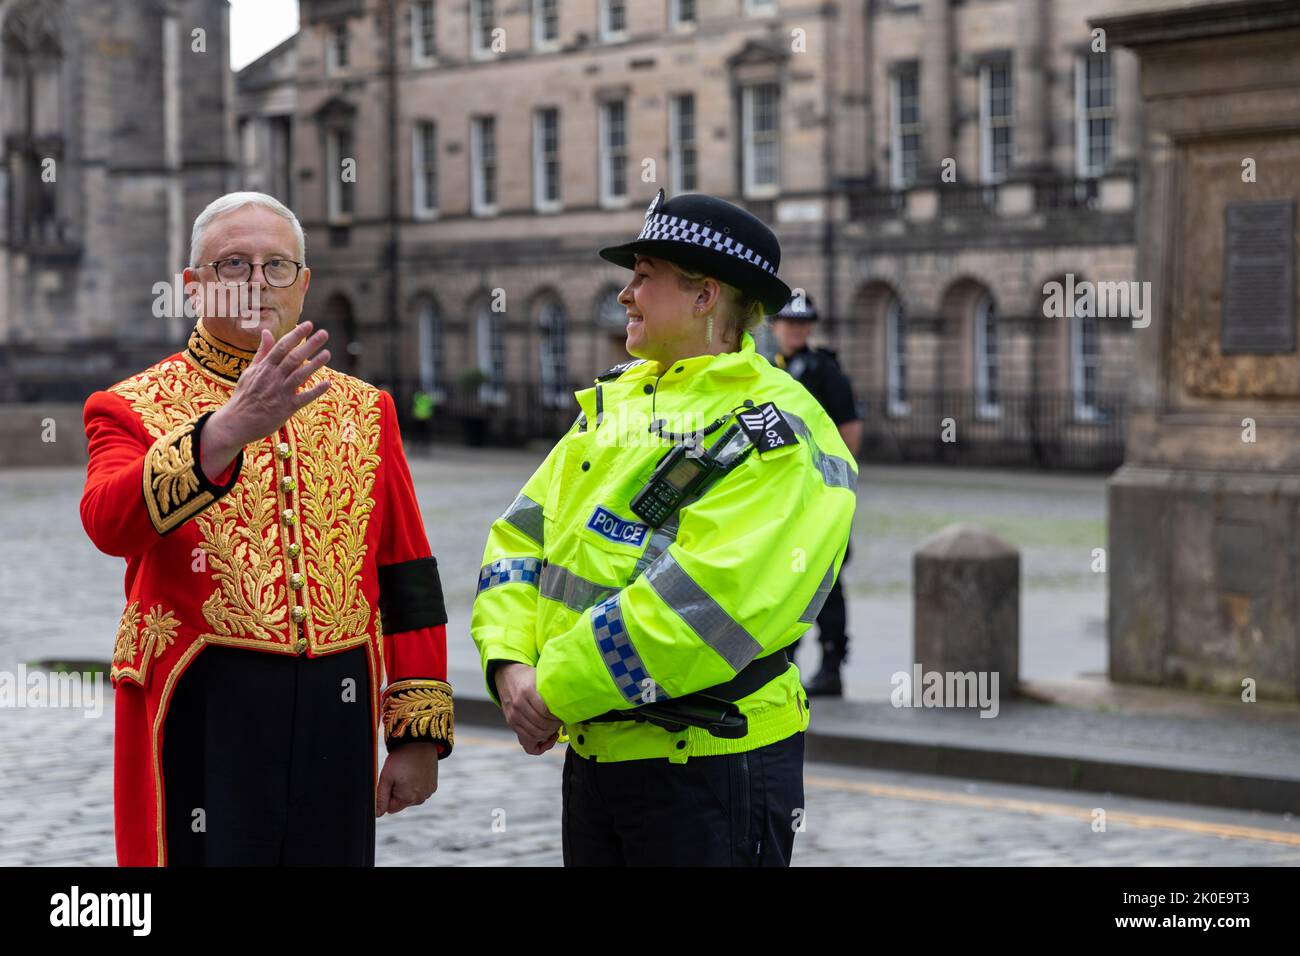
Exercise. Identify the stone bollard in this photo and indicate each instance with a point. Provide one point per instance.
(966, 610)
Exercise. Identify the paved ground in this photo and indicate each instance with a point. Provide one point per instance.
(63, 599)
(56, 810)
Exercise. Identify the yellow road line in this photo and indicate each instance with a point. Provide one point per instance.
(1144, 820)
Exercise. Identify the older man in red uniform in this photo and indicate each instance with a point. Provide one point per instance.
(277, 571)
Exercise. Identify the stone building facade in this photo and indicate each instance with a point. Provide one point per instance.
(116, 132)
(495, 145)
(988, 150)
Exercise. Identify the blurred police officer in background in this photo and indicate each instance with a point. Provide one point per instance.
(637, 597)
(818, 370)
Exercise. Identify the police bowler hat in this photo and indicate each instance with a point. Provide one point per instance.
(796, 311)
(706, 234)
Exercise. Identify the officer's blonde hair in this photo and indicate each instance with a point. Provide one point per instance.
(743, 312)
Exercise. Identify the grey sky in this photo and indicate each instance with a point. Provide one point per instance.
(259, 25)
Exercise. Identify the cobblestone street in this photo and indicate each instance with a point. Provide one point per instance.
(63, 599)
(56, 809)
(1056, 520)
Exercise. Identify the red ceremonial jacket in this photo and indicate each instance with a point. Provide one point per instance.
(313, 544)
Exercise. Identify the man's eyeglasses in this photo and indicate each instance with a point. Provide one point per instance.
(237, 270)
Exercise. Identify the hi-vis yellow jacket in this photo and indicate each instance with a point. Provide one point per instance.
(605, 606)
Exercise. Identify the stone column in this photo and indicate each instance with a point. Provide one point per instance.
(1128, 109)
(936, 86)
(177, 255)
(1204, 545)
(1029, 78)
(966, 594)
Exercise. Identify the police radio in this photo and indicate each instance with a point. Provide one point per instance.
(681, 474)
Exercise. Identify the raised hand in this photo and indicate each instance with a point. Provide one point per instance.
(266, 396)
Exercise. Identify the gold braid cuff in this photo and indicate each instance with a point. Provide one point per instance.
(419, 709)
(175, 487)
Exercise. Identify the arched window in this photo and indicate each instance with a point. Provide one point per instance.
(987, 404)
(554, 354)
(1084, 354)
(896, 357)
(491, 355)
(429, 344)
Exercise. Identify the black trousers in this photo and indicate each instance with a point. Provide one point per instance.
(277, 753)
(730, 810)
(833, 620)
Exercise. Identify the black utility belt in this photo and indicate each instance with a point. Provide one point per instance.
(713, 708)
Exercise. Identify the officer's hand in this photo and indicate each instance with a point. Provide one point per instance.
(525, 711)
(265, 396)
(409, 777)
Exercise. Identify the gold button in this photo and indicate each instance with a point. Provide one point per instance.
(288, 516)
(282, 450)
(296, 581)
(287, 483)
(300, 645)
(295, 549)
(299, 613)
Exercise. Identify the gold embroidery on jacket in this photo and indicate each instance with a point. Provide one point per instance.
(338, 460)
(125, 646)
(240, 536)
(158, 634)
(242, 541)
(335, 462)
(217, 356)
(419, 708)
(172, 492)
(171, 394)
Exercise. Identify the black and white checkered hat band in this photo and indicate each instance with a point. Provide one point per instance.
(675, 228)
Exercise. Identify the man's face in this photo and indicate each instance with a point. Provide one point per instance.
(256, 234)
(791, 336)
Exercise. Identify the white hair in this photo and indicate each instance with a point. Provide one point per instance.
(232, 201)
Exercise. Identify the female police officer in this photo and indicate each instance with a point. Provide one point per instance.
(638, 593)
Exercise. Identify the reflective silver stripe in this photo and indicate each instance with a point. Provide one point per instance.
(836, 472)
(819, 597)
(526, 515)
(574, 591)
(509, 571)
(701, 613)
(619, 654)
(660, 539)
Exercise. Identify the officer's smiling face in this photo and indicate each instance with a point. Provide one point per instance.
(256, 234)
(662, 324)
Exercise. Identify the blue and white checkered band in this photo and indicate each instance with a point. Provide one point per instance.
(509, 571)
(677, 229)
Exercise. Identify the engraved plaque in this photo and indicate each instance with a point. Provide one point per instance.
(1259, 277)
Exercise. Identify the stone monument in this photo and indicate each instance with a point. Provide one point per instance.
(1204, 515)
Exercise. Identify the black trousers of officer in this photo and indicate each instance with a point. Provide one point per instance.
(277, 752)
(730, 810)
